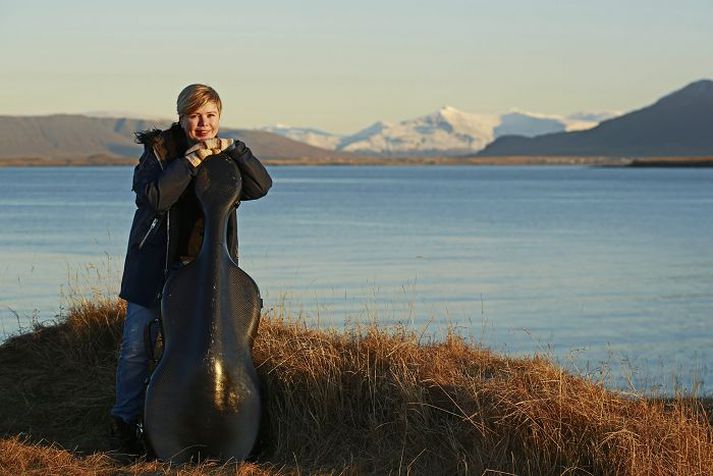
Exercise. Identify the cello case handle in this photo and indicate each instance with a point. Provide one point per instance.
(150, 340)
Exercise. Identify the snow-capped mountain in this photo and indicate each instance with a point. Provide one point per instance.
(531, 124)
(446, 131)
(311, 136)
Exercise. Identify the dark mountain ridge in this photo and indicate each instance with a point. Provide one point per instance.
(679, 124)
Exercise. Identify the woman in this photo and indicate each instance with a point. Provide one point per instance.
(167, 231)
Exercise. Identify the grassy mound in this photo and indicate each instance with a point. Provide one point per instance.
(367, 401)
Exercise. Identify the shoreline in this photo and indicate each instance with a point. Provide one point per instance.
(598, 161)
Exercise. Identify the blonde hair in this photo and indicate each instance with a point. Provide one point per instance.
(195, 96)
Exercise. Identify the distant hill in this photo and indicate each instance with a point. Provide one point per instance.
(679, 124)
(64, 137)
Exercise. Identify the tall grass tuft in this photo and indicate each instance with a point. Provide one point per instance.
(364, 401)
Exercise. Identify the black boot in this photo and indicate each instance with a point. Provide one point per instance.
(125, 437)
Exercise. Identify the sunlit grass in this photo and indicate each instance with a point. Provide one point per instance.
(366, 400)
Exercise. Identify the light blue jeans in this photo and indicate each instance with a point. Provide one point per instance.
(133, 366)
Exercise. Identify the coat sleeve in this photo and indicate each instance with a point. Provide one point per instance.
(256, 180)
(160, 186)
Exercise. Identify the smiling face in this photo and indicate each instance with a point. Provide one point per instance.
(201, 124)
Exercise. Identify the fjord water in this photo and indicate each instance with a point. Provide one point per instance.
(593, 266)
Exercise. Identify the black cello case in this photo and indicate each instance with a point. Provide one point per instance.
(203, 400)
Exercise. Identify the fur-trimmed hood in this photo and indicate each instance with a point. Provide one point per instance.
(166, 144)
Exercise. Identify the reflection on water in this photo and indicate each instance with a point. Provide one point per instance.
(589, 265)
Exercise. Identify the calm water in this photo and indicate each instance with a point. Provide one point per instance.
(590, 265)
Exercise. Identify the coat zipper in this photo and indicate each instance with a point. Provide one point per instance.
(168, 227)
(153, 225)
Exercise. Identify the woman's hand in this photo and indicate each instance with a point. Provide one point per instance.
(200, 151)
(218, 145)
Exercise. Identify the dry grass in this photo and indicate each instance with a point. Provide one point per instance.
(368, 401)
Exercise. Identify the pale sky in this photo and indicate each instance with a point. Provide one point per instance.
(341, 66)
